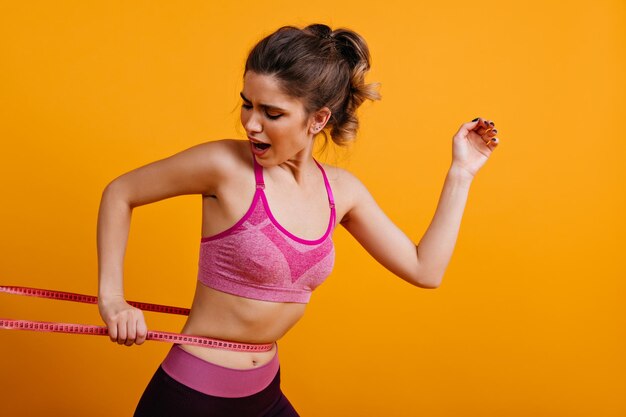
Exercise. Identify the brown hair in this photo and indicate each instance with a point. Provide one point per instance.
(323, 67)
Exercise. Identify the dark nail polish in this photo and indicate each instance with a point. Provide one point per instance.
(475, 119)
(486, 123)
(492, 123)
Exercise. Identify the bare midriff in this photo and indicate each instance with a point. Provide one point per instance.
(229, 317)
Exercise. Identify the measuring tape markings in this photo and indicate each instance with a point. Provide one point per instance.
(89, 299)
(42, 326)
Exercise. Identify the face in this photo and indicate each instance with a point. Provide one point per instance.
(276, 124)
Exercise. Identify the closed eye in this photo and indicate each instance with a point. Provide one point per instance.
(272, 116)
(269, 115)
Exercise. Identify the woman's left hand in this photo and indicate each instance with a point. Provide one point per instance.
(473, 144)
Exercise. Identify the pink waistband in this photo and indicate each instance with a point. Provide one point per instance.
(217, 380)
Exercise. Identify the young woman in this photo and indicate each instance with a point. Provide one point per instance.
(269, 210)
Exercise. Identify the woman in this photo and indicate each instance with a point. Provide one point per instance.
(269, 210)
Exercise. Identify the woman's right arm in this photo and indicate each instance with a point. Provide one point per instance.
(197, 170)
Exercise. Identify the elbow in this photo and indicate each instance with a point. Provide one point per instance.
(111, 190)
(427, 281)
(116, 192)
(429, 285)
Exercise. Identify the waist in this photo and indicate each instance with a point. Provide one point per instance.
(219, 379)
(224, 316)
(230, 359)
(229, 317)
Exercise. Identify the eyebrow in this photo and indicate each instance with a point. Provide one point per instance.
(266, 106)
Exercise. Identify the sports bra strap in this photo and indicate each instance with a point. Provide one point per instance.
(260, 183)
(258, 174)
(329, 191)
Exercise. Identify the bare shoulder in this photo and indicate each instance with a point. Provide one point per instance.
(221, 156)
(215, 161)
(201, 169)
(224, 163)
(348, 190)
(342, 180)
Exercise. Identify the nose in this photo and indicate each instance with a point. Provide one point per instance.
(251, 122)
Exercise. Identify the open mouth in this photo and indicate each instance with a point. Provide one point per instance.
(261, 146)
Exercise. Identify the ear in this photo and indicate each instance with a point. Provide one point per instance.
(318, 120)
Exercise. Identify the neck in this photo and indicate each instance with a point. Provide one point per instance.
(301, 165)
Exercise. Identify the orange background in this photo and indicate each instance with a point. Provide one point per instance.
(531, 317)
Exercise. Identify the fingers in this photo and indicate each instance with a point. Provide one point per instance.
(128, 327)
(489, 135)
(131, 335)
(112, 331)
(142, 332)
(483, 126)
(492, 143)
(133, 330)
(122, 334)
(487, 131)
(478, 125)
(469, 126)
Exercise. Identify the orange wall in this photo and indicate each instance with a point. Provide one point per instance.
(530, 319)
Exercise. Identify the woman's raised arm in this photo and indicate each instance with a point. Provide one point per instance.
(424, 264)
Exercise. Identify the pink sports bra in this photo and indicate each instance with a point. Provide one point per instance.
(258, 258)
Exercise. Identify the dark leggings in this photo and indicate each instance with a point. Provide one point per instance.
(164, 396)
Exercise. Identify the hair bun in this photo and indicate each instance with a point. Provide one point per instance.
(321, 31)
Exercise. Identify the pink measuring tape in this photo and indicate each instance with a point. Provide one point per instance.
(43, 326)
